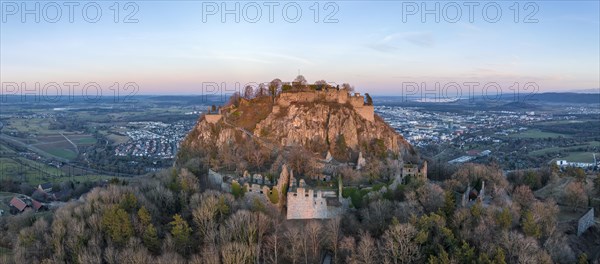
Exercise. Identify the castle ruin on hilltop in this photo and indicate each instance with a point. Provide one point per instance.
(303, 202)
(416, 171)
(306, 203)
(331, 95)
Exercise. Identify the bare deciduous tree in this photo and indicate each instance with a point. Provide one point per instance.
(204, 218)
(261, 90)
(334, 234)
(523, 196)
(545, 215)
(248, 92)
(398, 245)
(240, 227)
(297, 159)
(273, 243)
(431, 197)
(258, 157)
(263, 224)
(236, 252)
(170, 258)
(313, 231)
(234, 99)
(134, 253)
(348, 87)
(348, 249)
(575, 195)
(366, 251)
(274, 87)
(210, 254)
(300, 80)
(521, 249)
(293, 237)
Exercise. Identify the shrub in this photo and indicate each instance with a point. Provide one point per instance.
(236, 189)
(274, 195)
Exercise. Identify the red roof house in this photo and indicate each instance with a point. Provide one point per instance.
(18, 204)
(37, 205)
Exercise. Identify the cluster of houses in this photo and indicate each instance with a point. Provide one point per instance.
(22, 203)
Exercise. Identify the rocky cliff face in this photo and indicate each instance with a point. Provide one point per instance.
(316, 126)
(323, 124)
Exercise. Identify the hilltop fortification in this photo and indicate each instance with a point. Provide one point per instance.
(325, 121)
(335, 96)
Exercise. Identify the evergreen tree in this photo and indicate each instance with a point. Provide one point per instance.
(144, 216)
(117, 224)
(181, 232)
(150, 238)
(499, 258)
(129, 203)
(449, 204)
(504, 219)
(530, 227)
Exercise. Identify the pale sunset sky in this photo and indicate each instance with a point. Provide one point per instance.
(171, 50)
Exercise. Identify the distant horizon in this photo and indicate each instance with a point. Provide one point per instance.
(169, 48)
(183, 94)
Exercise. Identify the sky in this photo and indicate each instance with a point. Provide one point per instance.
(380, 47)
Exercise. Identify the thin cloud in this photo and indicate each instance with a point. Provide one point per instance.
(382, 47)
(423, 39)
(390, 43)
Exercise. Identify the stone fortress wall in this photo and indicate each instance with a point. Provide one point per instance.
(302, 201)
(213, 118)
(585, 222)
(306, 203)
(340, 96)
(310, 204)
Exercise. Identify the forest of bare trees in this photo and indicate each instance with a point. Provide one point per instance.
(170, 218)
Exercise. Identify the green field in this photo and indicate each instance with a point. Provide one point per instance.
(84, 140)
(537, 134)
(33, 172)
(53, 145)
(587, 157)
(34, 125)
(35, 134)
(563, 149)
(40, 166)
(62, 153)
(562, 122)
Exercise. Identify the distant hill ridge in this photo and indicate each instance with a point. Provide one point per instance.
(585, 98)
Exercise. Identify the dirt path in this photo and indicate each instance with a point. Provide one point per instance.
(74, 145)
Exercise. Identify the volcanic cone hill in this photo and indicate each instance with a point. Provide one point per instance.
(327, 122)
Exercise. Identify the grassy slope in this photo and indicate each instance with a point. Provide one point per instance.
(536, 133)
(247, 115)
